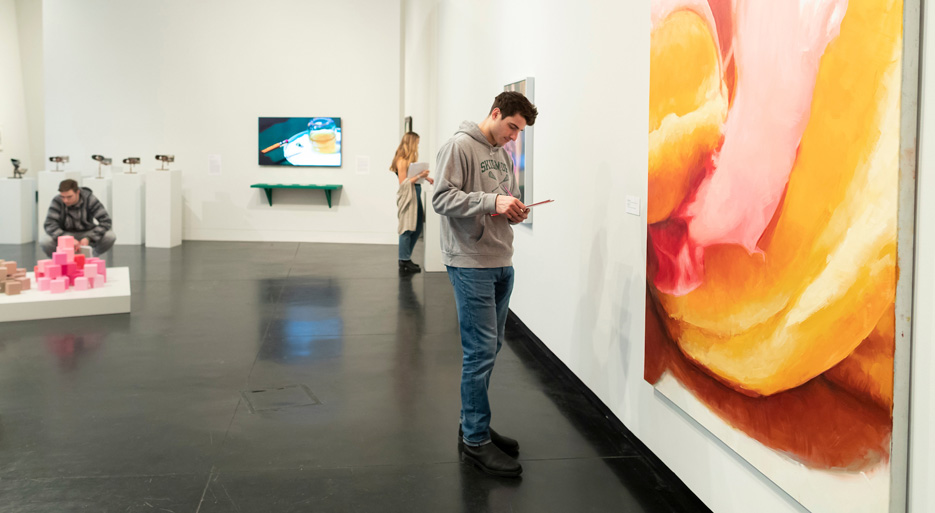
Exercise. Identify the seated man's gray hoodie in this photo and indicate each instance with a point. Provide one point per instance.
(79, 217)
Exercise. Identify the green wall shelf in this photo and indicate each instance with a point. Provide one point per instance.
(268, 187)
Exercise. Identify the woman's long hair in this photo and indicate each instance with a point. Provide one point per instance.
(408, 150)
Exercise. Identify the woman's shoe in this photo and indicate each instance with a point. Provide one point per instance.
(410, 266)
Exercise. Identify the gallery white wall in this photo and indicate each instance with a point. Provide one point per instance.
(137, 78)
(14, 127)
(420, 51)
(29, 21)
(580, 270)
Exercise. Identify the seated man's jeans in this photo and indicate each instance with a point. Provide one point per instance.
(483, 300)
(100, 247)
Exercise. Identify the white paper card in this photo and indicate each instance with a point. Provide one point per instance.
(363, 165)
(633, 205)
(214, 165)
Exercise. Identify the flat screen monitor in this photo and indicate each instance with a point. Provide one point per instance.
(314, 142)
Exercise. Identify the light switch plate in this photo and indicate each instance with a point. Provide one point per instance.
(633, 205)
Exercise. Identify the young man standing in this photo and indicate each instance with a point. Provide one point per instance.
(475, 181)
(76, 212)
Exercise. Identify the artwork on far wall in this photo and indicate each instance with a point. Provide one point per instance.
(774, 138)
(407, 124)
(521, 149)
(312, 142)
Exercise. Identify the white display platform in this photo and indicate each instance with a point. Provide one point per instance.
(112, 298)
(17, 210)
(48, 189)
(129, 200)
(101, 187)
(163, 209)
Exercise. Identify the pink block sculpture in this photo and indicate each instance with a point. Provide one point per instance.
(42, 264)
(70, 270)
(91, 271)
(102, 268)
(82, 283)
(66, 240)
(59, 285)
(60, 258)
(53, 271)
(99, 281)
(44, 283)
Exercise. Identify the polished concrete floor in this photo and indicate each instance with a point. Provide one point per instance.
(287, 377)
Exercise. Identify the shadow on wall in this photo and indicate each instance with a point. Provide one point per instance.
(603, 318)
(593, 275)
(220, 213)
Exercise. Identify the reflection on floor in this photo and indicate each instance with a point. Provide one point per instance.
(148, 411)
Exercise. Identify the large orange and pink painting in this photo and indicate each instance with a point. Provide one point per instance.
(772, 256)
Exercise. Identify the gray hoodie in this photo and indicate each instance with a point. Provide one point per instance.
(471, 174)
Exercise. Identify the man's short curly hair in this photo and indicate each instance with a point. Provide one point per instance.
(512, 102)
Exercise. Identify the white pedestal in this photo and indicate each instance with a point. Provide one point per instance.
(17, 210)
(32, 304)
(101, 187)
(163, 209)
(129, 200)
(48, 189)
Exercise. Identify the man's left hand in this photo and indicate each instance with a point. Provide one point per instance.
(521, 217)
(85, 241)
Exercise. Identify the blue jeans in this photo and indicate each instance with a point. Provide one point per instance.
(407, 240)
(483, 300)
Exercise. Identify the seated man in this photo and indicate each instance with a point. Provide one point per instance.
(74, 212)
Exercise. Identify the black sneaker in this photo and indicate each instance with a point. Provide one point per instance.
(504, 443)
(490, 459)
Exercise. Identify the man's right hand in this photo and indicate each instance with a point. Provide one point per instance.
(511, 207)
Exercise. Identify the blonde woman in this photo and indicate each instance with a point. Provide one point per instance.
(409, 200)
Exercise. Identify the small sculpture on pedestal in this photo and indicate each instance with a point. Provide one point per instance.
(17, 170)
(165, 159)
(58, 160)
(101, 162)
(131, 161)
